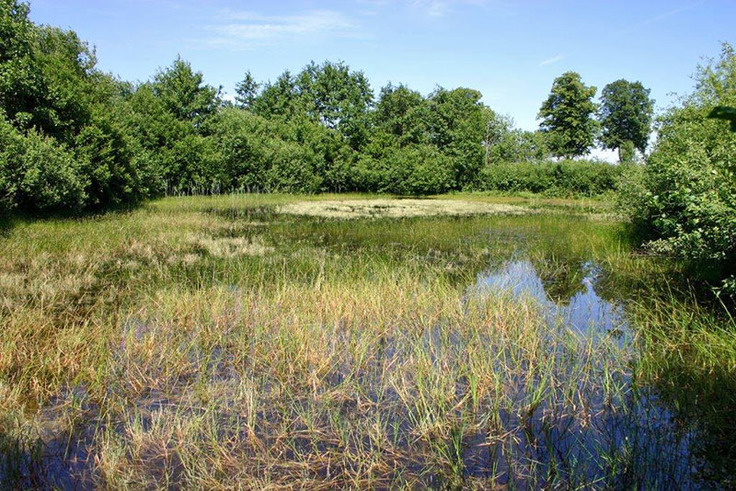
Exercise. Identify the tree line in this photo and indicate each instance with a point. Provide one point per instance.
(73, 137)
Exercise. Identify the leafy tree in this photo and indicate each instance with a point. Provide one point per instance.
(184, 94)
(685, 202)
(37, 173)
(504, 143)
(567, 116)
(625, 116)
(517, 145)
(70, 82)
(329, 94)
(409, 170)
(280, 98)
(334, 95)
(457, 123)
(246, 91)
(168, 117)
(19, 78)
(402, 113)
(67, 149)
(47, 75)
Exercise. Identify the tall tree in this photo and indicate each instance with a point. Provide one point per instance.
(567, 116)
(334, 95)
(184, 94)
(246, 91)
(625, 116)
(399, 112)
(457, 126)
(279, 98)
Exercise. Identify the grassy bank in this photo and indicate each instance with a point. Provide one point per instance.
(252, 341)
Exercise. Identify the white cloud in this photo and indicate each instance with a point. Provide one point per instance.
(248, 29)
(552, 60)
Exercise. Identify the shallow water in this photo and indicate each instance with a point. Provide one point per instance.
(585, 312)
(635, 428)
(582, 433)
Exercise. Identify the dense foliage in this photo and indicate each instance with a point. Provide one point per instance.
(685, 201)
(564, 178)
(567, 116)
(75, 138)
(626, 118)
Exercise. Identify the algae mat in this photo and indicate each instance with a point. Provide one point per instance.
(398, 208)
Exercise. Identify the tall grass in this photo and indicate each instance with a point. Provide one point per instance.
(215, 343)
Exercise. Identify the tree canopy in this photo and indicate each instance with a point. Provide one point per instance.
(567, 116)
(74, 137)
(626, 116)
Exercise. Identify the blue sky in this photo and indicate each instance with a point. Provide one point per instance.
(510, 51)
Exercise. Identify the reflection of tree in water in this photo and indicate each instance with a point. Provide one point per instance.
(703, 400)
(575, 302)
(562, 280)
(682, 420)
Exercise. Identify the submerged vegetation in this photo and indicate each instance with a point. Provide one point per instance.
(219, 341)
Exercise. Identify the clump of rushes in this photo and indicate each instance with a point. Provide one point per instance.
(215, 343)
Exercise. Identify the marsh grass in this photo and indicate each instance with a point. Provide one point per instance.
(216, 343)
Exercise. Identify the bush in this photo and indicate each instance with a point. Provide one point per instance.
(37, 173)
(254, 153)
(292, 169)
(107, 160)
(565, 178)
(413, 170)
(685, 202)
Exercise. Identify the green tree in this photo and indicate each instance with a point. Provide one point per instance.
(279, 98)
(168, 117)
(567, 116)
(625, 116)
(20, 84)
(685, 202)
(401, 113)
(184, 94)
(47, 75)
(334, 95)
(504, 143)
(246, 91)
(457, 123)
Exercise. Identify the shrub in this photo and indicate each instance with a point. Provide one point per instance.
(37, 173)
(565, 178)
(413, 170)
(685, 201)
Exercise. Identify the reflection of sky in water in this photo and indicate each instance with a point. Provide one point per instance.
(632, 425)
(586, 312)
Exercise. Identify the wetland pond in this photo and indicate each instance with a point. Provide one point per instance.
(263, 350)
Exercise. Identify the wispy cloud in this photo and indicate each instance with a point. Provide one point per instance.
(663, 16)
(249, 29)
(441, 8)
(553, 60)
(670, 13)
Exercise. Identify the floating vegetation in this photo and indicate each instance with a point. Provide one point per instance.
(393, 208)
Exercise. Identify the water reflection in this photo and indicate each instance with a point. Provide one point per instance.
(630, 437)
(585, 311)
